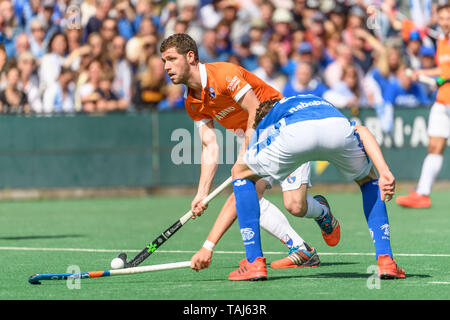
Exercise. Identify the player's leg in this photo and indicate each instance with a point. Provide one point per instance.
(275, 222)
(353, 163)
(248, 214)
(377, 219)
(299, 203)
(438, 132)
(294, 196)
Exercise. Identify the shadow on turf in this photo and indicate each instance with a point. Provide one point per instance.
(327, 264)
(345, 275)
(62, 236)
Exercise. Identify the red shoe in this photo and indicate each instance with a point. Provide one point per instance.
(329, 225)
(414, 200)
(388, 269)
(254, 271)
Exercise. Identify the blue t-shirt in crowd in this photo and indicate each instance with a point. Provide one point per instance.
(316, 88)
(415, 96)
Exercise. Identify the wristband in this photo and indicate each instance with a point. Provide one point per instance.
(209, 245)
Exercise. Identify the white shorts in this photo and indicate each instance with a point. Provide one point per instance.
(331, 139)
(439, 121)
(301, 175)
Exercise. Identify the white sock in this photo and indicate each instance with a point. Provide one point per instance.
(275, 222)
(315, 209)
(430, 169)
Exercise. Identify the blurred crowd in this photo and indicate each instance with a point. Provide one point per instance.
(99, 56)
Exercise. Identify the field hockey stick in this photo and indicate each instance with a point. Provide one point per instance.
(149, 249)
(36, 279)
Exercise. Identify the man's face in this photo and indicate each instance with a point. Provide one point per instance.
(176, 65)
(118, 46)
(444, 20)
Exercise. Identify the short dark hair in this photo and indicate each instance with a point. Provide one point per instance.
(443, 6)
(263, 110)
(182, 42)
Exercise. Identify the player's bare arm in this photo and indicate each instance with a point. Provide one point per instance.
(250, 103)
(227, 215)
(434, 72)
(208, 167)
(386, 179)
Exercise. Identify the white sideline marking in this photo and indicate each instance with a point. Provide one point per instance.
(217, 251)
(439, 282)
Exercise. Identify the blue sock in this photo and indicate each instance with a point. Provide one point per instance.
(377, 218)
(248, 212)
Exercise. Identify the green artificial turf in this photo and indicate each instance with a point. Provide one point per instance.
(419, 240)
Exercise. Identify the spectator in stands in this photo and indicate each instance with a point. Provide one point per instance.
(281, 21)
(109, 29)
(332, 42)
(304, 83)
(320, 55)
(46, 12)
(29, 82)
(427, 61)
(229, 10)
(348, 93)
(242, 50)
(412, 50)
(174, 98)
(59, 97)
(223, 41)
(95, 22)
(267, 8)
(53, 60)
(211, 14)
(406, 93)
(30, 11)
(355, 20)
(73, 39)
(124, 35)
(337, 17)
(84, 54)
(267, 71)
(22, 44)
(207, 50)
(3, 59)
(12, 99)
(88, 95)
(181, 26)
(107, 100)
(145, 10)
(124, 19)
(150, 85)
(123, 74)
(37, 38)
(88, 9)
(394, 60)
(10, 27)
(147, 28)
(98, 47)
(298, 9)
(362, 53)
(257, 39)
(239, 25)
(304, 53)
(334, 71)
(316, 28)
(187, 11)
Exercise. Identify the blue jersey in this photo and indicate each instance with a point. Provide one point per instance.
(291, 110)
(299, 108)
